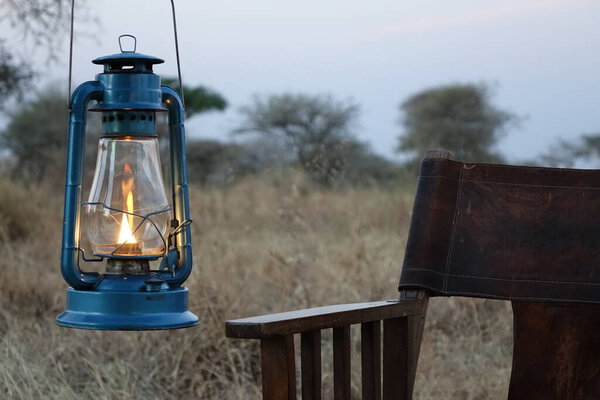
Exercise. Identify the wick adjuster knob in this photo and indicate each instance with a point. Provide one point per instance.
(153, 284)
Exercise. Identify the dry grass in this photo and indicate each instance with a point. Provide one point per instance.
(262, 245)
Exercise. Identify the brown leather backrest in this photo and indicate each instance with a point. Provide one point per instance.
(508, 232)
(530, 235)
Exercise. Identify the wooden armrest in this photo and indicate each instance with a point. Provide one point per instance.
(320, 318)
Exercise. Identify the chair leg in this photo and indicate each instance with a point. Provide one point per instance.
(371, 360)
(341, 363)
(311, 365)
(278, 368)
(416, 323)
(395, 359)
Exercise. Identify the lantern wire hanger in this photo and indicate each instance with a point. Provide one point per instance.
(135, 44)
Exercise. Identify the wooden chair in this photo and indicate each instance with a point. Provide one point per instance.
(524, 234)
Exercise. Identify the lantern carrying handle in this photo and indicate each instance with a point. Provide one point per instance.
(121, 43)
(121, 47)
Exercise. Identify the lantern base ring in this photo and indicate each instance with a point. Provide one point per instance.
(127, 310)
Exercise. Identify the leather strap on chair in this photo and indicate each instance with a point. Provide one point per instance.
(508, 232)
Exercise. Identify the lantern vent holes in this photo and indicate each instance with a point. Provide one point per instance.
(129, 121)
(140, 67)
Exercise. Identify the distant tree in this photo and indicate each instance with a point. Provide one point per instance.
(565, 153)
(215, 162)
(588, 148)
(363, 166)
(14, 76)
(207, 158)
(39, 20)
(313, 127)
(36, 135)
(198, 99)
(42, 23)
(459, 118)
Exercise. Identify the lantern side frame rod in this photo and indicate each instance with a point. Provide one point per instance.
(179, 186)
(73, 275)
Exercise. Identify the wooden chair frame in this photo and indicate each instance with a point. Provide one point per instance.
(556, 339)
(403, 321)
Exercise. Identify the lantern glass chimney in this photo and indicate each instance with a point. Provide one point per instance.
(127, 212)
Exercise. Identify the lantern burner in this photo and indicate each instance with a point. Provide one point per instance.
(129, 250)
(127, 267)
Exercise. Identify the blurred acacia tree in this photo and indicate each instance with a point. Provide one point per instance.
(40, 22)
(566, 153)
(366, 167)
(36, 135)
(215, 162)
(14, 77)
(207, 158)
(459, 118)
(37, 130)
(317, 129)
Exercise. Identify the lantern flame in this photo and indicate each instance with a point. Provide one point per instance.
(125, 234)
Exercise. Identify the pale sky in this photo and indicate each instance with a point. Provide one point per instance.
(541, 56)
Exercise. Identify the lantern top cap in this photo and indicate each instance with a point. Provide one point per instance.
(129, 84)
(128, 57)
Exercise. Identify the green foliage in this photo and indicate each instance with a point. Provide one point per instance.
(19, 211)
(365, 167)
(14, 76)
(315, 128)
(36, 135)
(208, 160)
(459, 118)
(588, 148)
(198, 99)
(215, 162)
(40, 22)
(585, 149)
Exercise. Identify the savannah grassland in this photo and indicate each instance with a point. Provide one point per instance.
(262, 245)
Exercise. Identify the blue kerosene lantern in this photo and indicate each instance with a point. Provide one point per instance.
(128, 218)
